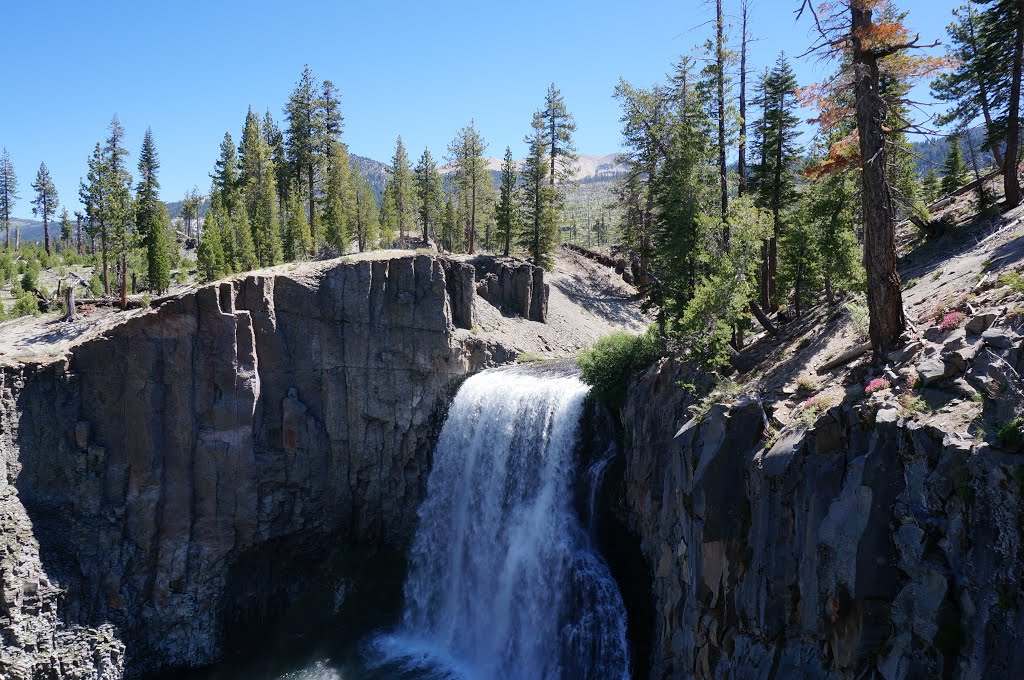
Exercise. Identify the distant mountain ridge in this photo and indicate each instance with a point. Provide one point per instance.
(590, 169)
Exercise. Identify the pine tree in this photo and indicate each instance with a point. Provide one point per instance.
(303, 140)
(429, 194)
(65, 228)
(644, 114)
(724, 289)
(777, 148)
(8, 197)
(539, 213)
(225, 176)
(400, 210)
(282, 170)
(466, 154)
(151, 218)
(449, 225)
(92, 194)
(297, 238)
(338, 200)
(244, 250)
(314, 127)
(559, 127)
(832, 208)
(954, 170)
(865, 43)
(366, 220)
(258, 180)
(966, 85)
(117, 208)
(507, 212)
(45, 202)
(930, 186)
(388, 220)
(680, 196)
(1002, 63)
(210, 258)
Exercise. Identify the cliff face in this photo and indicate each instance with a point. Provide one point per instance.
(864, 546)
(269, 413)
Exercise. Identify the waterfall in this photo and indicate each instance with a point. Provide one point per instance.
(595, 478)
(503, 581)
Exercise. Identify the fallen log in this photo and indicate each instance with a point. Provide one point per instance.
(133, 303)
(763, 319)
(845, 357)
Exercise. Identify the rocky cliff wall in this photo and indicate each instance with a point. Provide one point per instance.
(268, 413)
(863, 546)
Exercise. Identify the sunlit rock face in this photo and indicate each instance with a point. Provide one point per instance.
(275, 409)
(863, 545)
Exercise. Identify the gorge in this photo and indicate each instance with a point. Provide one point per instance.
(329, 448)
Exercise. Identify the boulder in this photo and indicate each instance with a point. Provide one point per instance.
(936, 369)
(980, 323)
(999, 338)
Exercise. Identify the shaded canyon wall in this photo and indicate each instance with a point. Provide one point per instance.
(864, 545)
(273, 412)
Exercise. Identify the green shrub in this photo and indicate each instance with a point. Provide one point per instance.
(26, 304)
(96, 285)
(6, 267)
(529, 357)
(1011, 435)
(859, 317)
(30, 279)
(1014, 280)
(608, 365)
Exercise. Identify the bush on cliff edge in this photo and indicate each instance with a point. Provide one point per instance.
(608, 365)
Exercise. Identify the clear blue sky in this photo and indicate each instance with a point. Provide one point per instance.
(419, 69)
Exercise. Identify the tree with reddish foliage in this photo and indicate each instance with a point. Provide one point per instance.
(869, 39)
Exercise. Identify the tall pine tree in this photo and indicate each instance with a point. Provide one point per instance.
(954, 170)
(398, 194)
(304, 139)
(258, 179)
(466, 154)
(365, 216)
(45, 202)
(297, 237)
(539, 212)
(116, 206)
(429, 194)
(8, 197)
(151, 218)
(338, 199)
(966, 85)
(777, 150)
(507, 211)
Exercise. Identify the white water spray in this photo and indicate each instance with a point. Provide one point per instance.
(503, 581)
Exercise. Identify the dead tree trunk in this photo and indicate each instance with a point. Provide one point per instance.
(70, 314)
(723, 177)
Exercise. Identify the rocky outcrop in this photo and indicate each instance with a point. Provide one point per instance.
(263, 416)
(513, 286)
(863, 545)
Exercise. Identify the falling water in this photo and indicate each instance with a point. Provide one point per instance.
(503, 581)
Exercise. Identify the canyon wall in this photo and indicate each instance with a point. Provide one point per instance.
(264, 415)
(863, 545)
